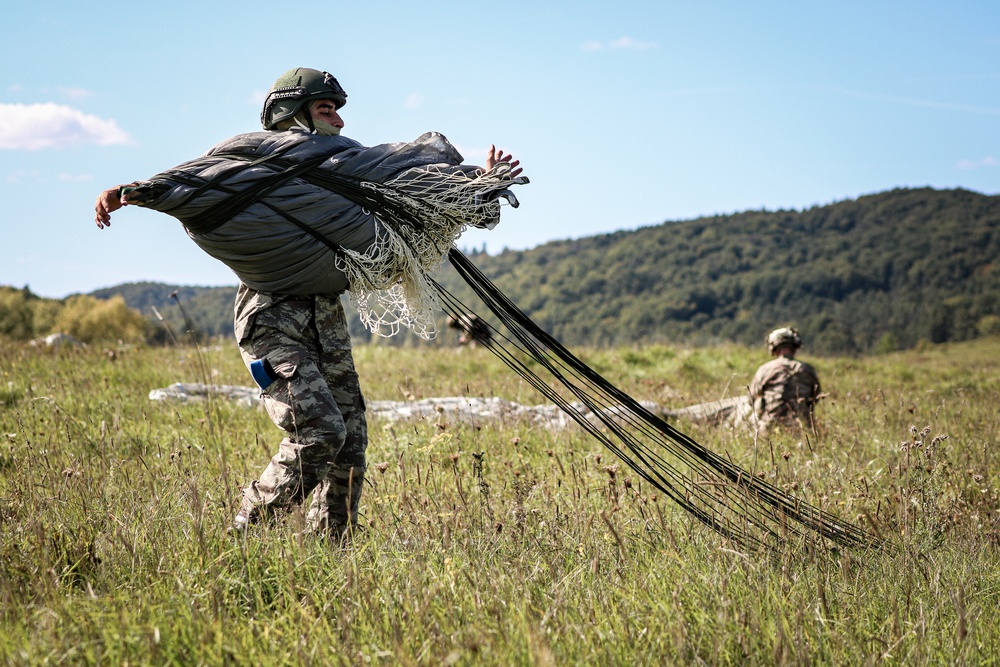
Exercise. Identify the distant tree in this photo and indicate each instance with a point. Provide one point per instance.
(16, 319)
(94, 320)
(988, 326)
(44, 313)
(887, 343)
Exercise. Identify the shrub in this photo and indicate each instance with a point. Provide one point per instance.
(93, 320)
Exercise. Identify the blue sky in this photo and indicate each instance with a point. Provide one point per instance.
(624, 114)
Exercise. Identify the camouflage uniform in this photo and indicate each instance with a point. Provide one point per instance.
(315, 397)
(784, 391)
(474, 329)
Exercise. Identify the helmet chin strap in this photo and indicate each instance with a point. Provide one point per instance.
(314, 126)
(295, 122)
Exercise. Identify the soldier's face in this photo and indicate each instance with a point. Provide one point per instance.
(326, 111)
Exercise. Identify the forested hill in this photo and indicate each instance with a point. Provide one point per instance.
(895, 267)
(179, 308)
(876, 273)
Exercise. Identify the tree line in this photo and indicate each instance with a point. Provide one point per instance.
(873, 274)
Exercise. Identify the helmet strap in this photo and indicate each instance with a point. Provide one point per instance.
(309, 119)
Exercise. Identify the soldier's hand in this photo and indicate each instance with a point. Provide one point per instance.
(495, 156)
(107, 202)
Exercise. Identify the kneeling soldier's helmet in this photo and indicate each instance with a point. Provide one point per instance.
(782, 337)
(295, 88)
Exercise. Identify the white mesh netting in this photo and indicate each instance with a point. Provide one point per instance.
(421, 214)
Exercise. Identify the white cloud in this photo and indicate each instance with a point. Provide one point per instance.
(988, 161)
(631, 44)
(21, 175)
(49, 125)
(27, 260)
(623, 43)
(76, 178)
(910, 101)
(414, 101)
(75, 93)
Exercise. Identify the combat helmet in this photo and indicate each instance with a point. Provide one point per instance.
(782, 337)
(296, 87)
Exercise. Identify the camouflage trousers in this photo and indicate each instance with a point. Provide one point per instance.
(299, 351)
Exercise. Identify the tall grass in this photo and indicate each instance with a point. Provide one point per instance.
(491, 543)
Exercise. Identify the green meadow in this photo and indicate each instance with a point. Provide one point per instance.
(494, 543)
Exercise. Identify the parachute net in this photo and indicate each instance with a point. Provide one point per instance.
(734, 502)
(419, 217)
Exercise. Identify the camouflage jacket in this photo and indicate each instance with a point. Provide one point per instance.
(785, 390)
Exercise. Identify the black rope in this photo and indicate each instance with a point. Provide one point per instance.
(717, 492)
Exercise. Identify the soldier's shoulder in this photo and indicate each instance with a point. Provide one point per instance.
(771, 365)
(806, 366)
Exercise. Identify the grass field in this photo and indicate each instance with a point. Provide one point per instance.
(495, 544)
